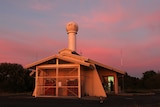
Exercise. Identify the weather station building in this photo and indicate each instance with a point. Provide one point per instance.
(68, 74)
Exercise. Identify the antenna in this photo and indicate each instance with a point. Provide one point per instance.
(121, 57)
(81, 53)
(36, 54)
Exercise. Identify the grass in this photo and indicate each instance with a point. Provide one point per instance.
(142, 91)
(8, 94)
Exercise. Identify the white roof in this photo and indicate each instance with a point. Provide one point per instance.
(68, 55)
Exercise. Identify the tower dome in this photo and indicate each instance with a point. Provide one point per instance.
(72, 27)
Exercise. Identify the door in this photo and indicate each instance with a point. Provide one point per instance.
(108, 84)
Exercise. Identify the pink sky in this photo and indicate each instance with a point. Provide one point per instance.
(34, 29)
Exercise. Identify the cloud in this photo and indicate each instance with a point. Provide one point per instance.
(39, 5)
(97, 19)
(18, 47)
(32, 31)
(16, 52)
(135, 30)
(12, 51)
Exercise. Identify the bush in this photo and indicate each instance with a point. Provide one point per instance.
(14, 78)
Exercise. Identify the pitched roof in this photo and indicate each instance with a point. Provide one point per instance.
(106, 66)
(74, 57)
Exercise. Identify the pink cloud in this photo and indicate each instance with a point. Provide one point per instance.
(144, 56)
(145, 19)
(104, 30)
(10, 51)
(139, 50)
(101, 54)
(18, 47)
(96, 19)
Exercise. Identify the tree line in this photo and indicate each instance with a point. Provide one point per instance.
(15, 78)
(149, 80)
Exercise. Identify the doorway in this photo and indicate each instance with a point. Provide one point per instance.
(108, 84)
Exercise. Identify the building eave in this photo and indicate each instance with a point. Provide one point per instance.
(67, 55)
(40, 61)
(106, 66)
(63, 56)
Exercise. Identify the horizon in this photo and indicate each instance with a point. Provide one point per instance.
(122, 34)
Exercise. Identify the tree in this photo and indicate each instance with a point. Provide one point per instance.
(148, 74)
(14, 78)
(151, 80)
(131, 82)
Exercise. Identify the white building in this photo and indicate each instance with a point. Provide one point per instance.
(68, 74)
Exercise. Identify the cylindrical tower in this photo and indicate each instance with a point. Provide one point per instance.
(72, 29)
